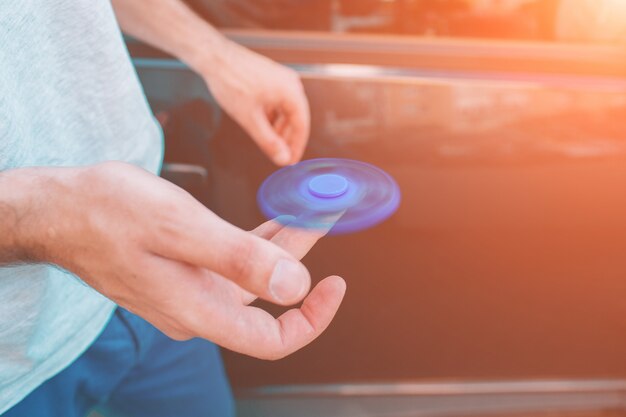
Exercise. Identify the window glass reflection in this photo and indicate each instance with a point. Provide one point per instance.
(538, 20)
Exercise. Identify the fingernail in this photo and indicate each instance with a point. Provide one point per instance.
(283, 157)
(288, 281)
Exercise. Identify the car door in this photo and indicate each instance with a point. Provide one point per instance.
(505, 264)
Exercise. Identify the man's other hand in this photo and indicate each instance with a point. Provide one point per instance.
(265, 98)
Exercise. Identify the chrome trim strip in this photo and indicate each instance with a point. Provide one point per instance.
(435, 53)
(159, 63)
(458, 54)
(442, 388)
(375, 73)
(180, 168)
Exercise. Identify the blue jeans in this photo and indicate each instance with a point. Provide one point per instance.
(134, 370)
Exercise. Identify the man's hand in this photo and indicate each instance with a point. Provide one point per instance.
(265, 98)
(153, 249)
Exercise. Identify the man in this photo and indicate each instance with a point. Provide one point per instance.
(79, 235)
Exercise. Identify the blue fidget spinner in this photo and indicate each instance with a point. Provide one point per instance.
(342, 195)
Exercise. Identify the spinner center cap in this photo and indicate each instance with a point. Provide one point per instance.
(328, 185)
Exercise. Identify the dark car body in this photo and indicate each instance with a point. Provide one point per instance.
(498, 286)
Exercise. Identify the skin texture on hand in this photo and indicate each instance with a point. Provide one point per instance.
(154, 250)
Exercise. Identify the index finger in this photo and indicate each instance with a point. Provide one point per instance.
(298, 124)
(298, 241)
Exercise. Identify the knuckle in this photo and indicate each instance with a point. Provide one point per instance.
(241, 259)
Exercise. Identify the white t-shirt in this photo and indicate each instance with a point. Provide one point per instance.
(69, 96)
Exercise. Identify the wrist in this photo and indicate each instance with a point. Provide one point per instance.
(29, 204)
(207, 51)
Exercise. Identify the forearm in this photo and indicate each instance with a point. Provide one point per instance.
(173, 27)
(27, 205)
(15, 198)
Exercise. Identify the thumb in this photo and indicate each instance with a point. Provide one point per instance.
(255, 264)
